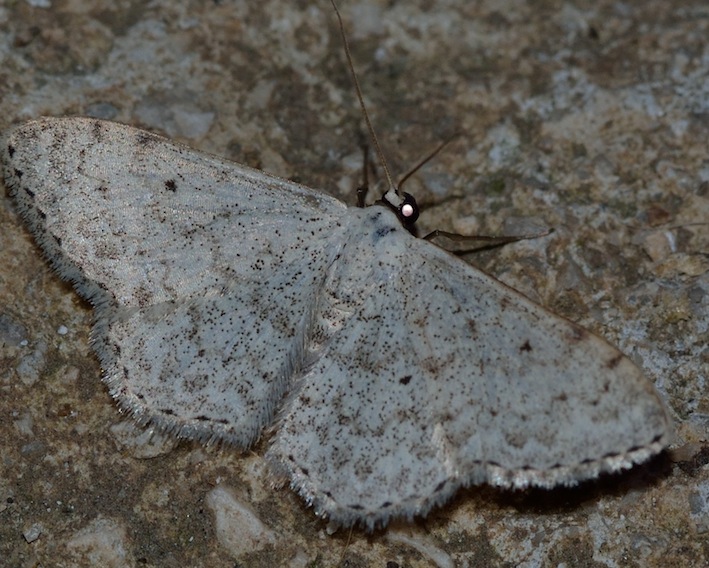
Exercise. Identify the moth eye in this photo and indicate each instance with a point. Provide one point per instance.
(409, 209)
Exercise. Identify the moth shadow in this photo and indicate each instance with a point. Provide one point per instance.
(565, 500)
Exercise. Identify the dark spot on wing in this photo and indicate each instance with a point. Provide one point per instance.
(145, 138)
(472, 327)
(97, 131)
(383, 232)
(405, 380)
(577, 333)
(171, 185)
(10, 150)
(614, 362)
(203, 418)
(526, 346)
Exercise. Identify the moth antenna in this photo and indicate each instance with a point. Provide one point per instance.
(393, 196)
(424, 161)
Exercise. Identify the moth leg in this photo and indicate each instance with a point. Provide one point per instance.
(367, 167)
(463, 244)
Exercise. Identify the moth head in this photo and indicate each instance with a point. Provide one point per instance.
(404, 205)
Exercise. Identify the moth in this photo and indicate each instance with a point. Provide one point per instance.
(388, 372)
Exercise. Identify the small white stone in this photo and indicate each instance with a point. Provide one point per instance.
(238, 528)
(33, 532)
(103, 542)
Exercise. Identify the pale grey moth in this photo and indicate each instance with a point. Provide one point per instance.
(392, 372)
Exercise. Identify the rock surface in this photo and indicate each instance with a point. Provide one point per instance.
(590, 118)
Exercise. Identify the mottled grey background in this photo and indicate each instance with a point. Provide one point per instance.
(589, 117)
